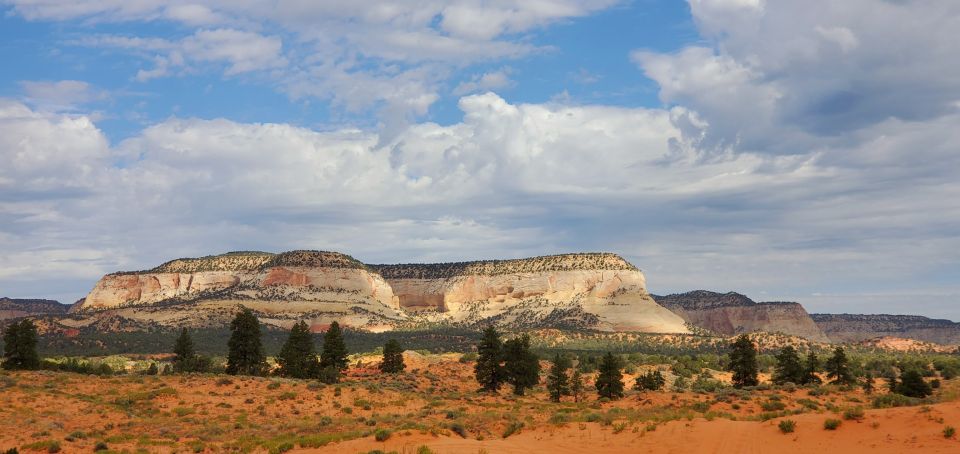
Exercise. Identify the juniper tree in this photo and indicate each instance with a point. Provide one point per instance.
(297, 357)
(838, 368)
(788, 368)
(489, 368)
(245, 355)
(650, 381)
(912, 384)
(810, 368)
(868, 383)
(558, 383)
(20, 346)
(185, 357)
(521, 366)
(392, 357)
(610, 380)
(743, 362)
(576, 385)
(333, 358)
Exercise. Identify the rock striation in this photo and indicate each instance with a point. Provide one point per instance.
(576, 291)
(599, 291)
(859, 327)
(732, 313)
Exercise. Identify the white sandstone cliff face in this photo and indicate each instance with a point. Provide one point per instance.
(612, 300)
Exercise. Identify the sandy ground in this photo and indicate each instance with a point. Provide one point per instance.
(211, 413)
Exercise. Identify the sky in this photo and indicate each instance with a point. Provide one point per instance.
(792, 150)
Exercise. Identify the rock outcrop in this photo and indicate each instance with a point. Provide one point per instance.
(577, 291)
(858, 327)
(732, 313)
(16, 308)
(282, 288)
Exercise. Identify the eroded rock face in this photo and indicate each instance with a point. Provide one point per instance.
(594, 291)
(732, 313)
(858, 327)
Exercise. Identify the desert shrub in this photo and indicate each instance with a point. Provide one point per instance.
(513, 428)
(100, 446)
(701, 407)
(468, 357)
(853, 414)
(894, 400)
(424, 450)
(273, 385)
(949, 432)
(458, 429)
(382, 435)
(831, 424)
(224, 381)
(772, 405)
(46, 445)
(787, 426)
(289, 395)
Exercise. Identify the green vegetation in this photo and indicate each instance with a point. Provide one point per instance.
(297, 359)
(788, 369)
(831, 424)
(558, 383)
(245, 352)
(185, 357)
(521, 366)
(650, 381)
(743, 362)
(488, 370)
(333, 358)
(20, 346)
(787, 426)
(838, 368)
(563, 262)
(912, 385)
(610, 379)
(392, 358)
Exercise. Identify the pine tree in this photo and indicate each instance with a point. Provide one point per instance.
(20, 346)
(743, 362)
(297, 358)
(489, 369)
(185, 357)
(838, 368)
(521, 366)
(245, 355)
(558, 383)
(392, 357)
(868, 383)
(810, 368)
(333, 357)
(576, 385)
(913, 385)
(610, 380)
(788, 368)
(153, 369)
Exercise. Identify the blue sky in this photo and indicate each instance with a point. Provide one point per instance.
(790, 150)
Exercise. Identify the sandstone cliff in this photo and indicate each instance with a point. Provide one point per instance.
(855, 327)
(580, 291)
(16, 308)
(282, 288)
(732, 313)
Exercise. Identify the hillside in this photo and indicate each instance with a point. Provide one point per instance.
(859, 327)
(732, 313)
(15, 308)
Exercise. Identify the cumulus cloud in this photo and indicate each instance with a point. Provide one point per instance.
(61, 95)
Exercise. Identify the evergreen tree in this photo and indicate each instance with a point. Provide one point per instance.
(333, 358)
(868, 383)
(185, 357)
(392, 357)
(558, 383)
(810, 368)
(153, 369)
(838, 368)
(489, 369)
(743, 362)
(610, 380)
(913, 385)
(245, 355)
(20, 346)
(650, 381)
(297, 358)
(521, 366)
(576, 385)
(788, 368)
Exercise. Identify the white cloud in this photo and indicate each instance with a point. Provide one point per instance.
(492, 80)
(62, 95)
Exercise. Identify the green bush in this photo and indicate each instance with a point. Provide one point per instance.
(458, 429)
(787, 426)
(772, 406)
(894, 400)
(100, 446)
(853, 414)
(513, 428)
(831, 424)
(382, 435)
(949, 432)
